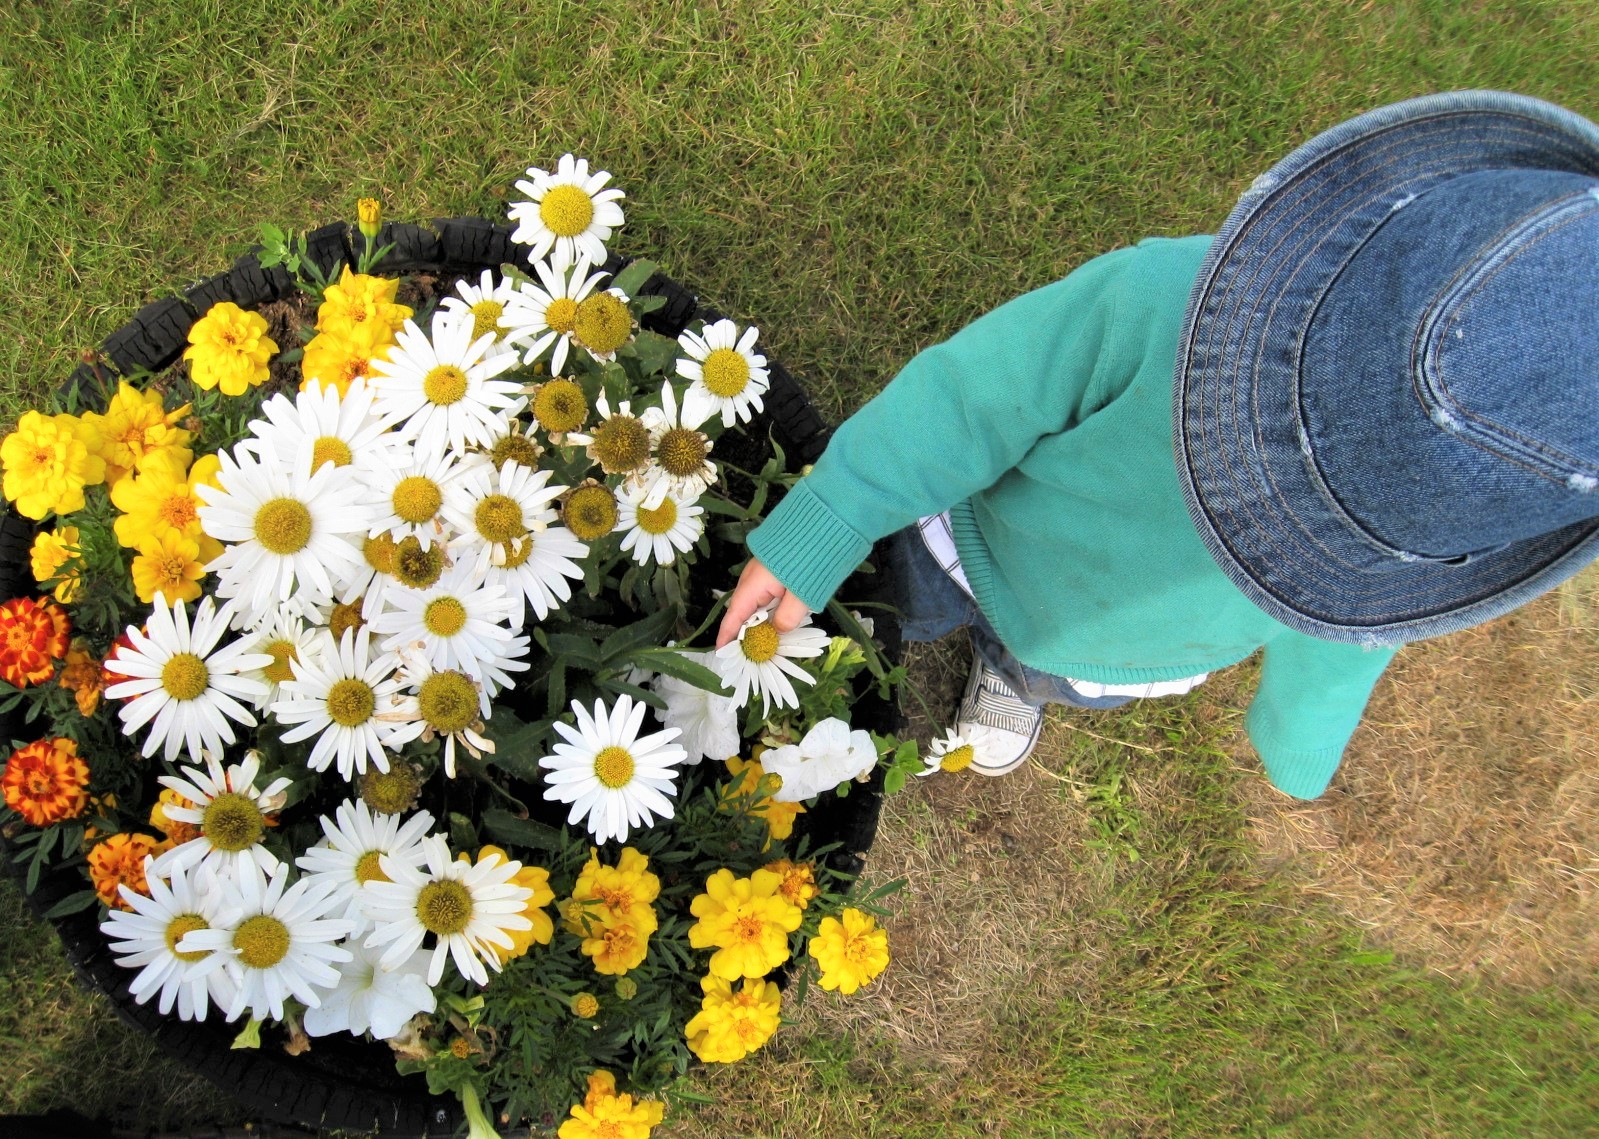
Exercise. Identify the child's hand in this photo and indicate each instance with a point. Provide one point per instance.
(756, 589)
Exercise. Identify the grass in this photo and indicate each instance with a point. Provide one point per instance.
(861, 180)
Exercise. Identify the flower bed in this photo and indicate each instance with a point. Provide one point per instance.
(330, 761)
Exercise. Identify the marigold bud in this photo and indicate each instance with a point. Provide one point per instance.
(369, 216)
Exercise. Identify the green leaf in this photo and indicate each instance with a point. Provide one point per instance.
(556, 702)
(633, 278)
(249, 1036)
(894, 781)
(623, 688)
(526, 833)
(512, 273)
(678, 666)
(72, 904)
(852, 629)
(581, 652)
(646, 305)
(656, 353)
(463, 835)
(648, 633)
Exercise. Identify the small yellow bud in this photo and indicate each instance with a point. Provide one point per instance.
(369, 216)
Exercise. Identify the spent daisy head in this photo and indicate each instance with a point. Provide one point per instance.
(146, 936)
(231, 813)
(568, 210)
(761, 660)
(543, 319)
(183, 683)
(559, 408)
(680, 459)
(729, 377)
(613, 778)
(619, 443)
(516, 442)
(483, 305)
(439, 388)
(661, 532)
(355, 842)
(451, 704)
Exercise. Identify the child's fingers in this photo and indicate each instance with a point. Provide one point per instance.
(756, 588)
(789, 613)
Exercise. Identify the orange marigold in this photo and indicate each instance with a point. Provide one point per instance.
(45, 782)
(33, 636)
(119, 861)
(83, 676)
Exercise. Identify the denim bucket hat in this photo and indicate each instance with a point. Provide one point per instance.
(1386, 404)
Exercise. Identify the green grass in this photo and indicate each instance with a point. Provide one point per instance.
(861, 180)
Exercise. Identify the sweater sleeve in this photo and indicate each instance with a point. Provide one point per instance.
(955, 419)
(1311, 697)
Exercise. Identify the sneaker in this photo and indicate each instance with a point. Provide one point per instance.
(1008, 727)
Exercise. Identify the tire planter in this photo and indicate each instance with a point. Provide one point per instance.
(343, 1082)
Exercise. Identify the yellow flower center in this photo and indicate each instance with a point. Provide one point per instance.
(760, 642)
(178, 511)
(176, 929)
(613, 767)
(560, 405)
(590, 512)
(444, 385)
(498, 518)
(283, 526)
(416, 565)
(262, 941)
(350, 702)
(444, 616)
(561, 314)
(725, 372)
(486, 318)
(566, 210)
(682, 451)
(283, 654)
(460, 1048)
(170, 571)
(369, 868)
(344, 618)
(748, 928)
(185, 676)
(518, 551)
(416, 499)
(379, 553)
(660, 520)
(232, 822)
(514, 448)
(448, 702)
(603, 323)
(390, 792)
(444, 907)
(621, 444)
(330, 449)
(957, 759)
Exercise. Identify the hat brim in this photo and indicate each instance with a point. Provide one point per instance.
(1249, 484)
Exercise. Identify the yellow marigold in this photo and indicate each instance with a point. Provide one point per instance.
(169, 565)
(229, 348)
(779, 817)
(48, 460)
(605, 1115)
(746, 920)
(799, 880)
(46, 782)
(605, 894)
(585, 1006)
(851, 952)
(617, 945)
(537, 879)
(33, 636)
(337, 360)
(359, 304)
(161, 500)
(729, 1025)
(369, 216)
(52, 551)
(119, 861)
(135, 427)
(177, 832)
(84, 676)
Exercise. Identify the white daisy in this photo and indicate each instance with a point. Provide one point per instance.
(335, 693)
(230, 812)
(484, 305)
(182, 681)
(494, 511)
(458, 622)
(371, 581)
(405, 488)
(569, 211)
(536, 572)
(317, 426)
(372, 999)
(275, 941)
(761, 656)
(708, 722)
(680, 460)
(543, 318)
(829, 755)
(287, 532)
(954, 752)
(356, 838)
(284, 638)
(468, 907)
(659, 533)
(450, 704)
(729, 375)
(146, 938)
(611, 775)
(442, 390)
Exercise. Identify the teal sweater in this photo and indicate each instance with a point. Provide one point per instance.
(1045, 427)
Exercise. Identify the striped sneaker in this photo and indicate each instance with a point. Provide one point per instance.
(1008, 727)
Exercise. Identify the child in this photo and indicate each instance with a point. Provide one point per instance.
(1366, 413)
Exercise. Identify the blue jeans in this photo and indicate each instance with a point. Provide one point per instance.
(932, 606)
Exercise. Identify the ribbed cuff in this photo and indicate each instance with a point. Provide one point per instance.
(807, 547)
(1302, 774)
